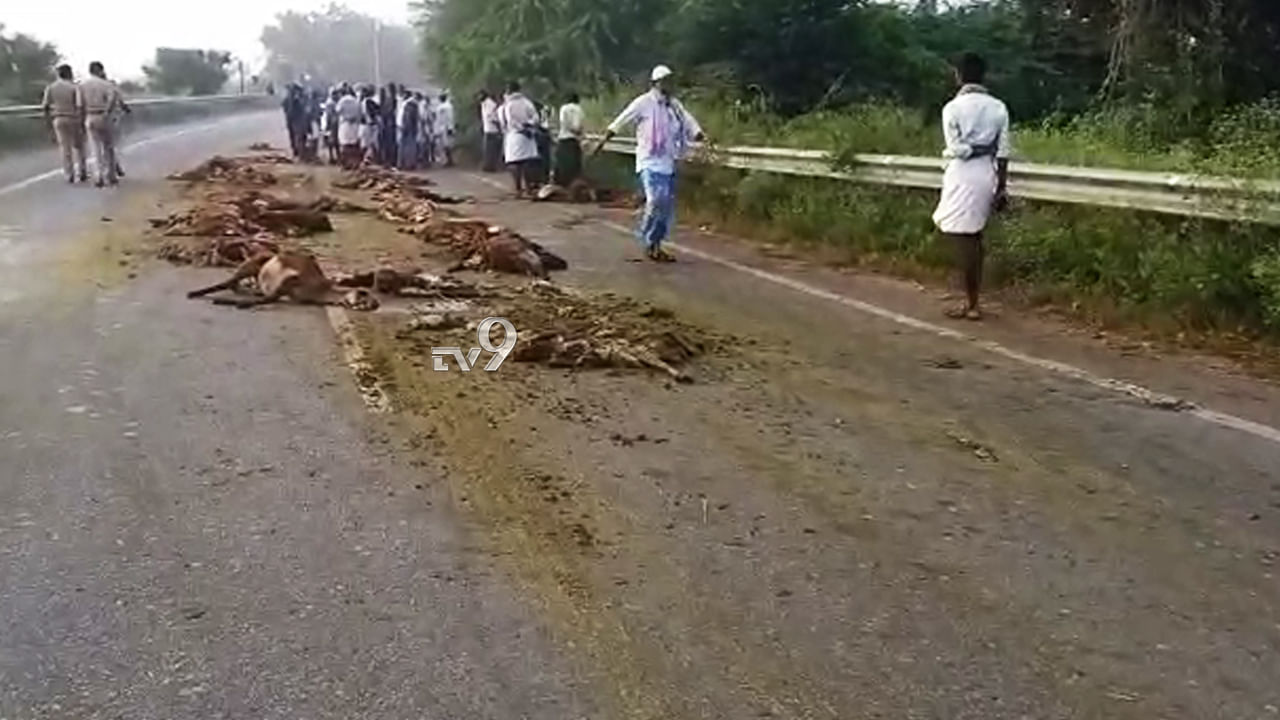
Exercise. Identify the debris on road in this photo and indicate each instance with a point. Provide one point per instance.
(980, 451)
(214, 252)
(583, 192)
(389, 281)
(566, 329)
(391, 184)
(292, 274)
(247, 213)
(237, 170)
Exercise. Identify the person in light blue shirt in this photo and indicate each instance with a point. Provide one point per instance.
(664, 129)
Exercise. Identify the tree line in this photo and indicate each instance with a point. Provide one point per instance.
(1050, 59)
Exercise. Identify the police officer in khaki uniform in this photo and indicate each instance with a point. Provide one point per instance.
(101, 101)
(63, 108)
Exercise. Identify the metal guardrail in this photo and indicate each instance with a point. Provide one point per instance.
(1167, 193)
(35, 111)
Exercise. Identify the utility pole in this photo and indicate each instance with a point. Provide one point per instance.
(377, 55)
(240, 68)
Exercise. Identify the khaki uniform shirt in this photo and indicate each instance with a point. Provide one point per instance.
(62, 98)
(100, 96)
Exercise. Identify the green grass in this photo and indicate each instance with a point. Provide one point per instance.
(1163, 273)
(1244, 141)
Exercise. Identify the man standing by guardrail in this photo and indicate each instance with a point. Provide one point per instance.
(101, 99)
(62, 107)
(975, 127)
(663, 131)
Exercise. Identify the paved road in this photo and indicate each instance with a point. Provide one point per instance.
(195, 522)
(197, 519)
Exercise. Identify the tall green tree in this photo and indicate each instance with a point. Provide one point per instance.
(338, 45)
(547, 44)
(182, 71)
(26, 65)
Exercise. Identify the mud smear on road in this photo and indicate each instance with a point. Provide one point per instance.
(565, 328)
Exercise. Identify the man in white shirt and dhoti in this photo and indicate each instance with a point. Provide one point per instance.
(519, 121)
(975, 128)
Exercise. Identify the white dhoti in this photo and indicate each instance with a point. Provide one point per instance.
(968, 193)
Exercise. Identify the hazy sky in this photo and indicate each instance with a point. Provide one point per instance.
(125, 33)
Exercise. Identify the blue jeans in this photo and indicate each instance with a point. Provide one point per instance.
(659, 208)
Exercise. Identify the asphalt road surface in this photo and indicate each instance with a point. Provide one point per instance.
(195, 520)
(868, 512)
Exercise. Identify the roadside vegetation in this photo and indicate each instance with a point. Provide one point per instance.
(1179, 87)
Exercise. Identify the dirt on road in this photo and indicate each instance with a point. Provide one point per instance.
(730, 501)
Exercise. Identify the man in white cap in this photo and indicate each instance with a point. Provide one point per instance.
(664, 129)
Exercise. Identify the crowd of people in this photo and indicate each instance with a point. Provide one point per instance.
(392, 126)
(88, 110)
(400, 128)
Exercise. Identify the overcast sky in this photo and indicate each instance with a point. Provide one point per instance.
(125, 33)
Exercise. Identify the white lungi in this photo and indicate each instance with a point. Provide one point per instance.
(968, 193)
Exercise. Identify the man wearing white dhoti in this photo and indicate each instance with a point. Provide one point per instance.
(975, 128)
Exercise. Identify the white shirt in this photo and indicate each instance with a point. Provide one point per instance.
(645, 112)
(348, 112)
(516, 114)
(489, 116)
(444, 118)
(975, 118)
(400, 108)
(571, 121)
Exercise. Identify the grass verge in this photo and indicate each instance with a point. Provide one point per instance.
(1205, 283)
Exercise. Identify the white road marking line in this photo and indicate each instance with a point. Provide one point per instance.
(371, 390)
(1146, 395)
(56, 172)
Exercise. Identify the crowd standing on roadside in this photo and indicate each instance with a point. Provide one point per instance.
(392, 126)
(88, 110)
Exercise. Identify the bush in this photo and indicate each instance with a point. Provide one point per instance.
(1167, 272)
(1265, 271)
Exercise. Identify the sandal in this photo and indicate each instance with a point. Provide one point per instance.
(975, 315)
(958, 313)
(660, 255)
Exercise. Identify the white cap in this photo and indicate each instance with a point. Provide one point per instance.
(660, 72)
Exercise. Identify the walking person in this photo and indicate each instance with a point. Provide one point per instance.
(546, 145)
(370, 121)
(491, 148)
(444, 127)
(408, 124)
(518, 119)
(568, 165)
(427, 120)
(63, 110)
(387, 154)
(117, 125)
(101, 99)
(663, 131)
(975, 128)
(295, 120)
(329, 125)
(349, 115)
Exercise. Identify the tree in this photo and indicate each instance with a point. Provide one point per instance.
(337, 45)
(178, 71)
(26, 65)
(1174, 62)
(547, 44)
